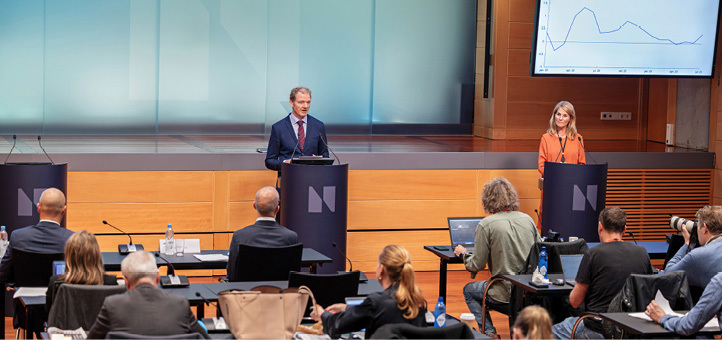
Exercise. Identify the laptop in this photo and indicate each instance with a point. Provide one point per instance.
(461, 230)
(570, 267)
(58, 267)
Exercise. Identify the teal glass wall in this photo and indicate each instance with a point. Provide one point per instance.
(227, 66)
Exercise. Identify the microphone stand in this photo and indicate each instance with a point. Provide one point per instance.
(171, 280)
(362, 275)
(125, 249)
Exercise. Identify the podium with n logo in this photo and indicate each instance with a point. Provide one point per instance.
(574, 194)
(314, 204)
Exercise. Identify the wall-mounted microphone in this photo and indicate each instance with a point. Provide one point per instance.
(632, 235)
(125, 249)
(538, 218)
(362, 275)
(585, 150)
(46, 154)
(329, 148)
(15, 138)
(171, 280)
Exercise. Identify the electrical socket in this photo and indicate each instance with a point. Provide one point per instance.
(616, 116)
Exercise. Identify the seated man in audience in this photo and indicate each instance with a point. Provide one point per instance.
(144, 309)
(265, 232)
(502, 240)
(602, 274)
(45, 237)
(709, 304)
(704, 262)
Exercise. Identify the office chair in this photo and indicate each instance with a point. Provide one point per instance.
(31, 269)
(266, 263)
(78, 305)
(327, 288)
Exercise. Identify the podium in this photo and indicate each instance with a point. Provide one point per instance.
(574, 194)
(314, 204)
(20, 187)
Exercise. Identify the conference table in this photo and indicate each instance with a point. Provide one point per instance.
(648, 329)
(310, 258)
(655, 249)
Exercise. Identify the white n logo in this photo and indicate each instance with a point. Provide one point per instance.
(315, 204)
(578, 200)
(25, 205)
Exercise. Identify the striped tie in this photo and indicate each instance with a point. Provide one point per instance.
(301, 134)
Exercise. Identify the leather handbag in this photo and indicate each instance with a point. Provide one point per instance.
(265, 312)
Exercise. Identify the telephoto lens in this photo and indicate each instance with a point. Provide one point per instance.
(678, 223)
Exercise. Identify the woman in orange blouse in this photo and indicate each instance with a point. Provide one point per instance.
(562, 133)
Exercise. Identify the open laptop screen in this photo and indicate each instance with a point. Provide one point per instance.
(462, 229)
(570, 265)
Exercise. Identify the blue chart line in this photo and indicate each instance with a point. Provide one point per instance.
(549, 39)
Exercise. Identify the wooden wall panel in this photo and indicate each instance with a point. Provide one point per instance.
(241, 214)
(407, 214)
(244, 184)
(141, 217)
(411, 184)
(140, 186)
(150, 242)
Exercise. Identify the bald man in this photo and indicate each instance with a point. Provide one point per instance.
(265, 232)
(45, 237)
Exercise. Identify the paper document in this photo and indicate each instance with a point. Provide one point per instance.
(211, 257)
(30, 291)
(664, 303)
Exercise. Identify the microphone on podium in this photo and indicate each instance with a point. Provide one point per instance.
(172, 280)
(46, 154)
(125, 249)
(362, 275)
(585, 150)
(329, 148)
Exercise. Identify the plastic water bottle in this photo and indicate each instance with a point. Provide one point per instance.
(543, 262)
(169, 241)
(440, 313)
(3, 241)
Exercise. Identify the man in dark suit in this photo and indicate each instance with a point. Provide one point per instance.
(265, 232)
(45, 237)
(298, 134)
(144, 309)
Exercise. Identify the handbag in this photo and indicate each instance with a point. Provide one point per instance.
(264, 312)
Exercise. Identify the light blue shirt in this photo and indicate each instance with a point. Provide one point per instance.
(700, 264)
(294, 123)
(709, 304)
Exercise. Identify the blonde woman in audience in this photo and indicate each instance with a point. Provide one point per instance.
(400, 302)
(83, 265)
(532, 323)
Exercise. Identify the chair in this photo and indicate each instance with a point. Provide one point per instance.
(78, 305)
(124, 335)
(407, 331)
(639, 290)
(327, 288)
(266, 263)
(31, 269)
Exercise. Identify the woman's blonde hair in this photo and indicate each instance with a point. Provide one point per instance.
(534, 322)
(397, 264)
(499, 195)
(571, 126)
(83, 261)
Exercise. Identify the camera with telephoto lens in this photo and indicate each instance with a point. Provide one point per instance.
(678, 223)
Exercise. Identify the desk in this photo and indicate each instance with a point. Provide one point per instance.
(310, 258)
(656, 250)
(647, 328)
(522, 281)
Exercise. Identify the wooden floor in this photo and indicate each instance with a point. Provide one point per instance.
(428, 281)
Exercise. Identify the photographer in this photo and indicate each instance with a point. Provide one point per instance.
(705, 261)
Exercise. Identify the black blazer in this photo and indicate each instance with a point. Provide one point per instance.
(283, 141)
(57, 280)
(260, 234)
(145, 310)
(44, 237)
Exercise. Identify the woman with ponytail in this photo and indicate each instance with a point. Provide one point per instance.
(400, 302)
(532, 323)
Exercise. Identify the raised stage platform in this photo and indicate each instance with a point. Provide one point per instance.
(226, 152)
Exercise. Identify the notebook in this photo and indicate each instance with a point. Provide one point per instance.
(461, 230)
(570, 267)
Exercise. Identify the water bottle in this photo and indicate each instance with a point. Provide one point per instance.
(543, 262)
(3, 241)
(440, 313)
(169, 241)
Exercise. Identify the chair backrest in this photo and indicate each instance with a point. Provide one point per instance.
(32, 269)
(327, 288)
(78, 305)
(124, 335)
(554, 249)
(267, 263)
(674, 241)
(407, 331)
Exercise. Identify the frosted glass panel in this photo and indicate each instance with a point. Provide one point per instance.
(424, 55)
(227, 66)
